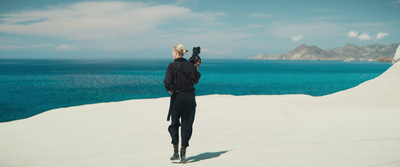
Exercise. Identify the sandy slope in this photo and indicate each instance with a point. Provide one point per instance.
(358, 127)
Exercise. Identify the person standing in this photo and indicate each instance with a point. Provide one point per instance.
(179, 81)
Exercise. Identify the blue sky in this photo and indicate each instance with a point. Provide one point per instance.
(223, 28)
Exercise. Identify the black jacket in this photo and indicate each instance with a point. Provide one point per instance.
(181, 76)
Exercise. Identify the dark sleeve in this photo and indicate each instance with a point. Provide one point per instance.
(197, 76)
(168, 80)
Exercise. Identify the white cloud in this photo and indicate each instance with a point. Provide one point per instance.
(10, 47)
(97, 20)
(13, 47)
(261, 15)
(352, 34)
(297, 38)
(118, 25)
(65, 47)
(364, 37)
(40, 45)
(382, 34)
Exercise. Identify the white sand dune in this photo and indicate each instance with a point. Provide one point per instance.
(359, 127)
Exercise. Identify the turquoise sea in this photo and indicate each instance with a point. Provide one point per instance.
(30, 87)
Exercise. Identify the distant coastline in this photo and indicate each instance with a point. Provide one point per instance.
(349, 52)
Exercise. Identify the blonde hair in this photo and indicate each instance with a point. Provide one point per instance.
(180, 49)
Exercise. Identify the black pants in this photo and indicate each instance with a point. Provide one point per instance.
(185, 109)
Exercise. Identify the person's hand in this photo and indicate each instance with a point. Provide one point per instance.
(171, 91)
(198, 64)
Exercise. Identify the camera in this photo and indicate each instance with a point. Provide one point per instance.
(195, 55)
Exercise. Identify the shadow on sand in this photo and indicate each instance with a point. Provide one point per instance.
(205, 156)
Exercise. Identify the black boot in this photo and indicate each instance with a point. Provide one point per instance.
(175, 156)
(183, 155)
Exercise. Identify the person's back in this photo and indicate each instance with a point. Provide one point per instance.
(179, 80)
(182, 77)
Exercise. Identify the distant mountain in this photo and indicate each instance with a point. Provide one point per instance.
(348, 52)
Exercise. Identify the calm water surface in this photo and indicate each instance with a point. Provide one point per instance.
(29, 87)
